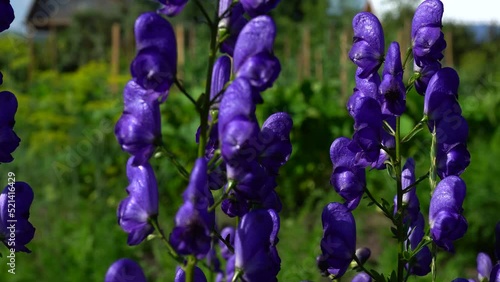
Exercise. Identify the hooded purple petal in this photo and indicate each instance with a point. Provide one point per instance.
(484, 266)
(14, 226)
(125, 270)
(338, 244)
(236, 101)
(253, 56)
(171, 8)
(392, 89)
(199, 276)
(221, 74)
(495, 273)
(441, 95)
(155, 65)
(361, 277)
(368, 43)
(258, 7)
(193, 222)
(254, 246)
(347, 178)
(428, 40)
(6, 15)
(231, 24)
(445, 212)
(274, 139)
(9, 140)
(138, 130)
(135, 211)
(421, 262)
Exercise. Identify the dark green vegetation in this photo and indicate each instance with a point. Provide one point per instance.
(71, 159)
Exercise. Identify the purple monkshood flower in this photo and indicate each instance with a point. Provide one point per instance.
(441, 96)
(425, 74)
(6, 15)
(274, 138)
(221, 74)
(227, 234)
(255, 246)
(497, 241)
(366, 86)
(193, 222)
(427, 38)
(367, 137)
(420, 264)
(484, 266)
(367, 50)
(452, 156)
(338, 244)
(141, 205)
(445, 212)
(410, 200)
(348, 179)
(171, 8)
(258, 7)
(361, 277)
(363, 254)
(138, 130)
(495, 273)
(199, 276)
(15, 229)
(125, 270)
(155, 65)
(9, 141)
(237, 103)
(231, 23)
(254, 59)
(392, 89)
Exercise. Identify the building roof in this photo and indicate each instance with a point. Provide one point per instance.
(45, 14)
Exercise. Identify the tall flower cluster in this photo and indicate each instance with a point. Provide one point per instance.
(15, 199)
(376, 105)
(236, 155)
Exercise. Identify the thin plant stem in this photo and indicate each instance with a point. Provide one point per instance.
(154, 222)
(399, 201)
(184, 91)
(171, 156)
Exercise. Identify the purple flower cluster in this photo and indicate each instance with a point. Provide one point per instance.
(428, 42)
(338, 244)
(413, 217)
(193, 222)
(486, 271)
(446, 121)
(139, 129)
(376, 105)
(15, 199)
(240, 155)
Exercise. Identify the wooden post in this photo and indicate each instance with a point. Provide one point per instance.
(52, 42)
(448, 52)
(115, 56)
(318, 64)
(306, 52)
(179, 35)
(343, 61)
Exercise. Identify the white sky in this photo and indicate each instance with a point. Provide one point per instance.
(460, 11)
(463, 11)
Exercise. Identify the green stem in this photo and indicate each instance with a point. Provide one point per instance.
(189, 268)
(399, 202)
(184, 91)
(174, 160)
(230, 186)
(360, 265)
(420, 179)
(418, 127)
(223, 240)
(154, 222)
(205, 103)
(409, 53)
(433, 183)
(386, 212)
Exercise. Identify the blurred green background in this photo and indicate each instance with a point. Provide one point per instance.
(69, 92)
